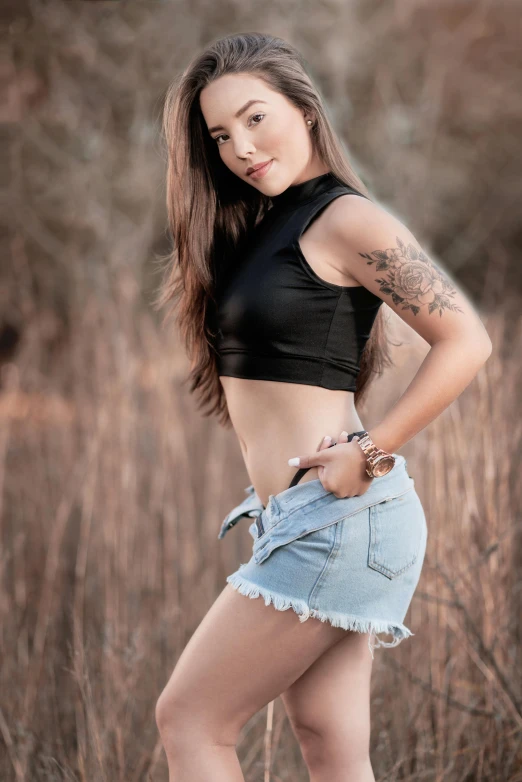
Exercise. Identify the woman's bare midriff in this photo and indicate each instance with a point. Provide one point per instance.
(275, 421)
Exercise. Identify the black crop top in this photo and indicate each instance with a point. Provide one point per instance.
(276, 318)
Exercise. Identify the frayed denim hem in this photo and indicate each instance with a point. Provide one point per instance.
(347, 622)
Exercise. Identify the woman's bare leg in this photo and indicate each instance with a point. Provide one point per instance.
(242, 656)
(329, 710)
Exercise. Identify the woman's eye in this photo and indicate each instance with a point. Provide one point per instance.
(216, 139)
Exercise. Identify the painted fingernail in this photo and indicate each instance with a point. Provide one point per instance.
(327, 438)
(294, 462)
(344, 433)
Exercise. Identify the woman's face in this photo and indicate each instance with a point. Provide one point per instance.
(269, 128)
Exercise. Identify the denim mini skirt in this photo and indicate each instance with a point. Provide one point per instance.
(354, 562)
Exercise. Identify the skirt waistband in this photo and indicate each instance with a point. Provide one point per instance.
(299, 495)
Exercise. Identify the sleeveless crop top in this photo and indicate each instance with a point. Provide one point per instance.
(276, 318)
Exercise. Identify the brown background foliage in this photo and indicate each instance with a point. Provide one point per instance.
(112, 487)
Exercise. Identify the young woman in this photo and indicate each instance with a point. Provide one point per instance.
(281, 264)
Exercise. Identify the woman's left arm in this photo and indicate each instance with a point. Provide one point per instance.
(377, 250)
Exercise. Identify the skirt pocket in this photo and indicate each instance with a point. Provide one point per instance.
(397, 528)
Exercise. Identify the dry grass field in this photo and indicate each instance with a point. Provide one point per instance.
(113, 484)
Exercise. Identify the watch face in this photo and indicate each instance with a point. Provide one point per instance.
(384, 466)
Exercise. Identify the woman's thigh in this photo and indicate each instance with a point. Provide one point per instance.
(329, 703)
(242, 655)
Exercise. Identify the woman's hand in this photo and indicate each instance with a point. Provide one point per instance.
(343, 471)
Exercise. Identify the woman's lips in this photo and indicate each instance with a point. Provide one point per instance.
(260, 172)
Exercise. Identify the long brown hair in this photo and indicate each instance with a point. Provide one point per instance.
(211, 211)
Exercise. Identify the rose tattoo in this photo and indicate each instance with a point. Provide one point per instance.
(412, 279)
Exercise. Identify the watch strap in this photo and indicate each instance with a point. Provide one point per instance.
(371, 451)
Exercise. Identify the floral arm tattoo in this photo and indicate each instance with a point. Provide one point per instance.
(412, 279)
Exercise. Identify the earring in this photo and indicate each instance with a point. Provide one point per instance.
(309, 121)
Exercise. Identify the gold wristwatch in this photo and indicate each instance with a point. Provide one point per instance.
(378, 462)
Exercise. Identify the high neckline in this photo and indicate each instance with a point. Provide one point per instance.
(304, 191)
